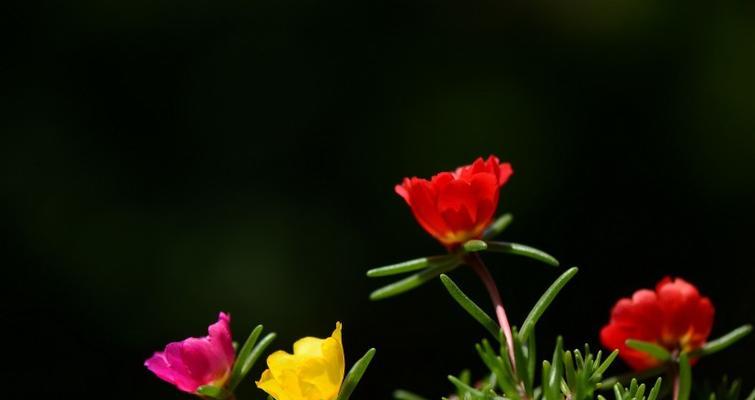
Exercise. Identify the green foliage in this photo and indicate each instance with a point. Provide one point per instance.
(406, 395)
(428, 268)
(724, 391)
(635, 391)
(411, 265)
(515, 383)
(584, 373)
(482, 390)
(545, 300)
(498, 226)
(653, 349)
(510, 248)
(355, 375)
(469, 306)
(529, 323)
(714, 346)
(414, 281)
(522, 250)
(250, 352)
(214, 392)
(568, 375)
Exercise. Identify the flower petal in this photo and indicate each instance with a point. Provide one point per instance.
(314, 372)
(457, 206)
(674, 316)
(194, 362)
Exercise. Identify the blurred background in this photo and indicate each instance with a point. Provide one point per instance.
(163, 161)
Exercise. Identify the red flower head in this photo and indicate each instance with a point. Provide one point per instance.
(674, 316)
(457, 206)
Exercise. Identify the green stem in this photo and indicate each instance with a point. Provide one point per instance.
(474, 260)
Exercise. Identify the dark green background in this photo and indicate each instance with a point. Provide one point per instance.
(166, 160)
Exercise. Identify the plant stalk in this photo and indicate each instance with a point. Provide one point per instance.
(474, 261)
(675, 372)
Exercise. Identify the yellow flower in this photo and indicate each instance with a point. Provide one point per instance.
(314, 372)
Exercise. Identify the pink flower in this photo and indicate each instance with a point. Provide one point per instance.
(196, 362)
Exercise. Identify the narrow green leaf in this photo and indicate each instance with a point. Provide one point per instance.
(625, 378)
(253, 356)
(466, 376)
(500, 366)
(521, 362)
(618, 391)
(607, 363)
(546, 373)
(733, 392)
(498, 226)
(522, 250)
(751, 396)
(723, 342)
(565, 389)
(598, 357)
(553, 383)
(243, 362)
(640, 392)
(474, 245)
(488, 385)
(409, 266)
(545, 300)
(469, 306)
(633, 387)
(214, 392)
(685, 377)
(652, 349)
(580, 360)
(492, 364)
(655, 390)
(503, 357)
(463, 387)
(355, 375)
(412, 281)
(569, 368)
(406, 395)
(531, 358)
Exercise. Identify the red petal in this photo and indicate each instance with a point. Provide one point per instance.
(456, 206)
(457, 195)
(674, 316)
(403, 190)
(614, 337)
(504, 173)
(423, 199)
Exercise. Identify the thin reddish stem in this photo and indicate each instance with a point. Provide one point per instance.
(474, 260)
(676, 383)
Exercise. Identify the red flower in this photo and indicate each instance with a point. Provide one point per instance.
(457, 206)
(674, 316)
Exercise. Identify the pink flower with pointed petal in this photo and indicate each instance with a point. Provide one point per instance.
(196, 362)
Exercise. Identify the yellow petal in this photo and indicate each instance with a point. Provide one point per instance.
(271, 386)
(332, 351)
(314, 372)
(308, 347)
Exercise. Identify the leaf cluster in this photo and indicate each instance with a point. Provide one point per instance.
(568, 375)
